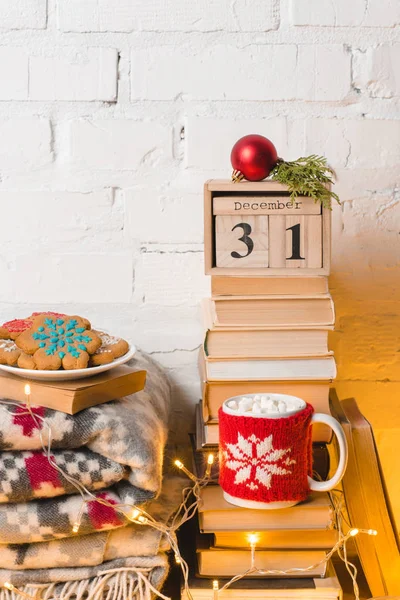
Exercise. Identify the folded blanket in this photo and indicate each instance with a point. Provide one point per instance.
(42, 520)
(90, 550)
(26, 475)
(130, 432)
(134, 578)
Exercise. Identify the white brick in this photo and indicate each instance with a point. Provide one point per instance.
(255, 72)
(363, 143)
(166, 328)
(60, 218)
(341, 13)
(323, 72)
(374, 213)
(74, 74)
(209, 141)
(118, 144)
(376, 71)
(73, 278)
(23, 14)
(24, 143)
(171, 279)
(13, 73)
(169, 15)
(381, 13)
(164, 216)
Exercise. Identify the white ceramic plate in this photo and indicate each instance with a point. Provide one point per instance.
(69, 375)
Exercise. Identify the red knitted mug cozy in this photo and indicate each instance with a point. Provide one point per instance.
(264, 459)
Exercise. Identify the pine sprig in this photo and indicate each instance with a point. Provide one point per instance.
(307, 176)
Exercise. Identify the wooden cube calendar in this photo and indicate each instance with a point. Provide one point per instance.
(252, 228)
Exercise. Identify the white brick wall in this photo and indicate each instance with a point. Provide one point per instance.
(112, 115)
(25, 143)
(340, 13)
(23, 14)
(250, 73)
(169, 15)
(75, 74)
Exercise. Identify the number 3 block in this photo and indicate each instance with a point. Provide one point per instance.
(253, 228)
(241, 241)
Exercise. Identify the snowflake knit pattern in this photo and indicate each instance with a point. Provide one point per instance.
(266, 460)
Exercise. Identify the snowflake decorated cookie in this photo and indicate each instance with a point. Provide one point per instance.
(111, 348)
(9, 352)
(56, 342)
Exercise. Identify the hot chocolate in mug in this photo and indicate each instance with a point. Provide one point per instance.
(266, 453)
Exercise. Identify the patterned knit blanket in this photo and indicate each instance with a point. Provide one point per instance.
(91, 550)
(121, 441)
(26, 475)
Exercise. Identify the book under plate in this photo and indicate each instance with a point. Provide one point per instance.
(75, 395)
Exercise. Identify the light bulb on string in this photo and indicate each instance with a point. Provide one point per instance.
(134, 514)
(253, 539)
(354, 532)
(75, 527)
(210, 462)
(178, 463)
(27, 392)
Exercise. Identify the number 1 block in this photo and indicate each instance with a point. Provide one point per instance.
(295, 242)
(241, 241)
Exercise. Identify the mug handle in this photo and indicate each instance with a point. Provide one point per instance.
(324, 486)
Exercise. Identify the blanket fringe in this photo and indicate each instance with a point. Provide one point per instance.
(116, 584)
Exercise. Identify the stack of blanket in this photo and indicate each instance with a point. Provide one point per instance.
(115, 451)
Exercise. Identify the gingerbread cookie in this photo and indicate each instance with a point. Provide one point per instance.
(59, 342)
(4, 334)
(26, 361)
(9, 353)
(16, 327)
(111, 348)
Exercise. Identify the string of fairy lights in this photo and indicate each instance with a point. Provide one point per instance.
(190, 502)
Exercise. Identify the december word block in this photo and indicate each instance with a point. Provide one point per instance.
(255, 228)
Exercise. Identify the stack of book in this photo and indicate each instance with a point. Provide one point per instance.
(264, 335)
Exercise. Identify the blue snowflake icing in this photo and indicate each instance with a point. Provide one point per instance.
(58, 337)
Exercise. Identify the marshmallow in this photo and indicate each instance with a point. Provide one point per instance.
(233, 405)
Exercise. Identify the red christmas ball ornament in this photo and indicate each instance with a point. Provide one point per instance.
(253, 157)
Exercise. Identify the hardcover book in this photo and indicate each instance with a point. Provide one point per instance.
(216, 514)
(75, 395)
(260, 286)
(283, 311)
